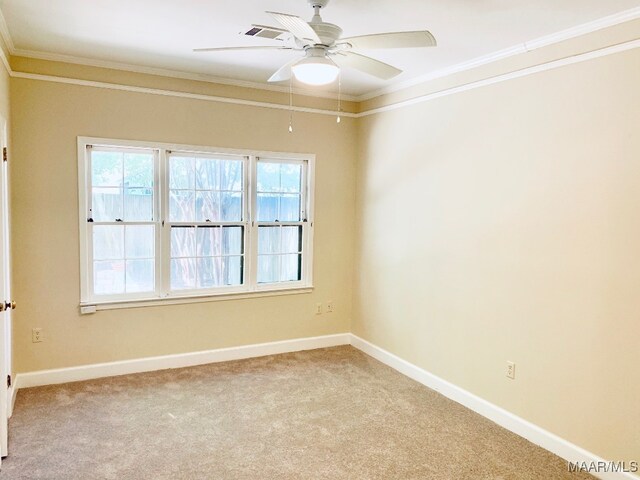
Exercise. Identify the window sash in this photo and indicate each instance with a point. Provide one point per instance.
(161, 190)
(123, 222)
(195, 256)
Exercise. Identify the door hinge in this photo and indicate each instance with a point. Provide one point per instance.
(4, 154)
(8, 380)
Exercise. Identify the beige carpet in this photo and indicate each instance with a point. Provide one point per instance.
(323, 414)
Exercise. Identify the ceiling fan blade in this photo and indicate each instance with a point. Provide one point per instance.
(392, 40)
(366, 64)
(297, 26)
(283, 73)
(223, 49)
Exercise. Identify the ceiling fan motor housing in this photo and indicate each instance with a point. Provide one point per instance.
(317, 52)
(328, 32)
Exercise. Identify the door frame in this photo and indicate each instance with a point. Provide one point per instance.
(6, 391)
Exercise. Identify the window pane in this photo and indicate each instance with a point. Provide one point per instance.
(138, 204)
(181, 172)
(267, 207)
(140, 241)
(138, 170)
(209, 272)
(183, 242)
(291, 239)
(107, 204)
(268, 240)
(207, 174)
(290, 269)
(209, 242)
(232, 268)
(290, 177)
(268, 268)
(231, 207)
(183, 273)
(268, 177)
(108, 277)
(289, 208)
(140, 276)
(106, 169)
(181, 206)
(232, 240)
(231, 175)
(207, 206)
(108, 242)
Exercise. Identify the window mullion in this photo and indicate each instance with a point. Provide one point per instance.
(157, 218)
(247, 260)
(307, 226)
(303, 192)
(252, 252)
(165, 229)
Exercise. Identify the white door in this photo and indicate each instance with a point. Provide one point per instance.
(6, 305)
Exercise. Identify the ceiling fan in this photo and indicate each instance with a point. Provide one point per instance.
(325, 52)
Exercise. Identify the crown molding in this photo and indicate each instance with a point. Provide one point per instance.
(573, 59)
(174, 93)
(6, 36)
(200, 77)
(567, 34)
(585, 28)
(543, 67)
(5, 61)
(7, 42)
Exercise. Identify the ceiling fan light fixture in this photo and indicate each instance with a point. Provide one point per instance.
(316, 69)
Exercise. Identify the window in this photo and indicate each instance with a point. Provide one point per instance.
(280, 220)
(164, 221)
(206, 228)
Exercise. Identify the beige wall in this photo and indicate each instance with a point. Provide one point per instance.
(48, 118)
(503, 223)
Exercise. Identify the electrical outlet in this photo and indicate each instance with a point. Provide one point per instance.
(511, 370)
(318, 308)
(329, 306)
(36, 335)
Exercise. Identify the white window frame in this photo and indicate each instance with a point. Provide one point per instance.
(162, 293)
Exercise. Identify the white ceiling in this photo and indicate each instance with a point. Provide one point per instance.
(162, 33)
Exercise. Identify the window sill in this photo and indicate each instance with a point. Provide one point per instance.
(92, 307)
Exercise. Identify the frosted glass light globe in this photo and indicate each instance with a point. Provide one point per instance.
(316, 71)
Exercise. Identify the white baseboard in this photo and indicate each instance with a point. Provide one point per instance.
(99, 370)
(513, 423)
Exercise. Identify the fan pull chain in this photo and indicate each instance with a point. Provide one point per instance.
(291, 103)
(339, 95)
